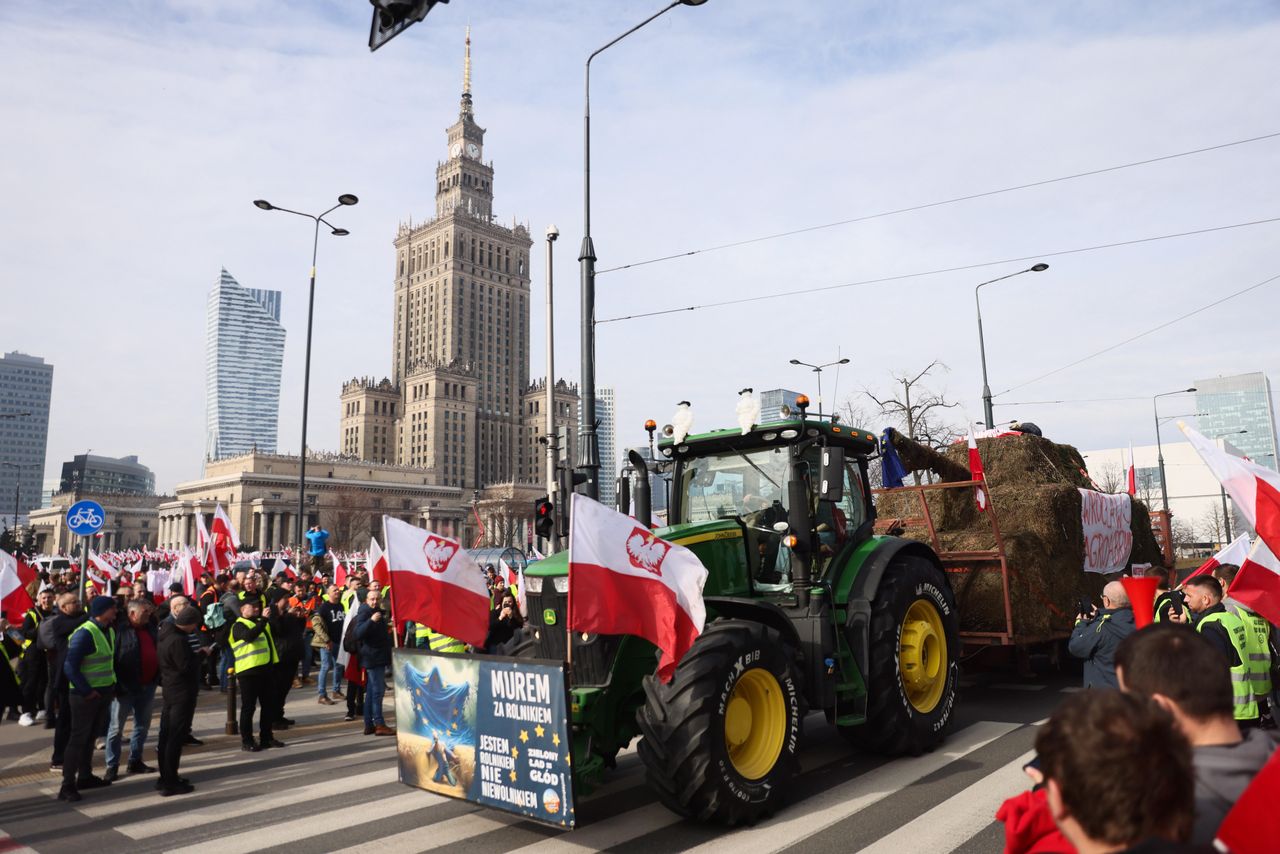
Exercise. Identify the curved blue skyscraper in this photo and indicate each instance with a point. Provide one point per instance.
(244, 351)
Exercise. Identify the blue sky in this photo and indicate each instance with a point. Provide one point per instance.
(139, 133)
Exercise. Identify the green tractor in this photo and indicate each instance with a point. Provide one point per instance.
(807, 608)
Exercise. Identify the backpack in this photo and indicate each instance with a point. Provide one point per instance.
(349, 642)
(215, 616)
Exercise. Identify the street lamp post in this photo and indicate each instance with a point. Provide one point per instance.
(982, 344)
(1226, 514)
(589, 450)
(552, 444)
(817, 369)
(345, 199)
(1164, 489)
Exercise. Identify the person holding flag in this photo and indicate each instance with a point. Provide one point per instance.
(438, 585)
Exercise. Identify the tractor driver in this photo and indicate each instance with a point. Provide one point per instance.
(760, 516)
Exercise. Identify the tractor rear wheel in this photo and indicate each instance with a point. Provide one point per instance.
(913, 658)
(721, 741)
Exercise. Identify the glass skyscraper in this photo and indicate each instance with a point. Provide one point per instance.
(26, 383)
(607, 413)
(244, 352)
(1227, 405)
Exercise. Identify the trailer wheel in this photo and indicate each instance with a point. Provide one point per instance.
(721, 741)
(913, 661)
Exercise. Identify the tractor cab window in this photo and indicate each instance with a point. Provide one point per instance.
(838, 521)
(750, 486)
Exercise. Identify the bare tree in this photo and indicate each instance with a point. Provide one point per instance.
(1110, 478)
(350, 519)
(1212, 525)
(917, 411)
(1184, 535)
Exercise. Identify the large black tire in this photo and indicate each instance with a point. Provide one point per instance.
(684, 749)
(894, 724)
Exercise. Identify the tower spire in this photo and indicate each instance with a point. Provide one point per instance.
(466, 80)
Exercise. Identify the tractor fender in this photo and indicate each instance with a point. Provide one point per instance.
(867, 583)
(734, 608)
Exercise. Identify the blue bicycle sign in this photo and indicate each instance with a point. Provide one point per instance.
(85, 518)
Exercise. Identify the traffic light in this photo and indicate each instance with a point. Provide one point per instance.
(544, 518)
(392, 17)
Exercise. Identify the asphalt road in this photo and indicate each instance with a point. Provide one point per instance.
(334, 789)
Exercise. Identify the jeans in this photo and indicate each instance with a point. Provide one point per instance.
(374, 689)
(138, 703)
(224, 668)
(328, 663)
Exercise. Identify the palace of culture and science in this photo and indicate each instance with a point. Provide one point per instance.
(459, 401)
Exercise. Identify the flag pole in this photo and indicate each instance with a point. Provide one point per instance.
(568, 617)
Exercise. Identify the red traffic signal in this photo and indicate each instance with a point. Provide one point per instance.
(544, 517)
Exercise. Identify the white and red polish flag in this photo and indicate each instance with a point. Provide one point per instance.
(509, 575)
(339, 573)
(623, 580)
(1257, 584)
(224, 542)
(376, 564)
(188, 569)
(15, 576)
(99, 563)
(436, 582)
(976, 472)
(202, 535)
(1234, 552)
(1132, 477)
(1255, 489)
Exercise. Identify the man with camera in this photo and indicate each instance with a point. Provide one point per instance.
(1098, 634)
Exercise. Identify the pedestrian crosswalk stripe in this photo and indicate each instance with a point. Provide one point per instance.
(958, 817)
(317, 793)
(827, 808)
(439, 834)
(310, 826)
(605, 834)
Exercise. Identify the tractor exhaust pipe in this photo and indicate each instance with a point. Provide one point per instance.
(644, 498)
(801, 527)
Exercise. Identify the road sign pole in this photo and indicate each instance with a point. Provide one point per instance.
(84, 568)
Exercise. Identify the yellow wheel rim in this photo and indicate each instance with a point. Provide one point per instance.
(922, 656)
(755, 723)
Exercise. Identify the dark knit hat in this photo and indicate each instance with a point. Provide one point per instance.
(100, 605)
(188, 616)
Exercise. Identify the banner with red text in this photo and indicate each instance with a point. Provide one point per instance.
(1108, 530)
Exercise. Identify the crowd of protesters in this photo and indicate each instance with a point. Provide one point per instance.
(90, 667)
(1173, 728)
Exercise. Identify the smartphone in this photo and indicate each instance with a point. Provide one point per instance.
(1086, 605)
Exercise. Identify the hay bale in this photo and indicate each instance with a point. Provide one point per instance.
(1034, 488)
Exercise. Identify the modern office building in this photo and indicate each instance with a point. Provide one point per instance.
(772, 401)
(607, 433)
(107, 476)
(1227, 405)
(26, 383)
(244, 353)
(459, 401)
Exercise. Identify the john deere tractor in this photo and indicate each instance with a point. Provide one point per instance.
(806, 609)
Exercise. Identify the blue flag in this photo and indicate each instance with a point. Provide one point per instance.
(892, 466)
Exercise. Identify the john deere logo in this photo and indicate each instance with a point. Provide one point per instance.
(549, 616)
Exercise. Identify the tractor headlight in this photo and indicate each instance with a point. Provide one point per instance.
(562, 583)
(533, 583)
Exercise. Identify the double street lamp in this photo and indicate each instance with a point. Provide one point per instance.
(1164, 489)
(817, 369)
(589, 449)
(345, 200)
(982, 344)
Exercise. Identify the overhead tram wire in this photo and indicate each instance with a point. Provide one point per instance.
(939, 203)
(1133, 338)
(957, 269)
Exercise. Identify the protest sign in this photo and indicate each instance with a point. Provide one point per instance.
(1108, 531)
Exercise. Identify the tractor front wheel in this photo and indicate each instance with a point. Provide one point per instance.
(913, 673)
(721, 741)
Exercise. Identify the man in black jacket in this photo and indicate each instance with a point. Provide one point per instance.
(254, 649)
(180, 682)
(375, 657)
(136, 679)
(1098, 634)
(34, 667)
(52, 638)
(289, 627)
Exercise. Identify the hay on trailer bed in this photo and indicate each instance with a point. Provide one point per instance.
(1034, 489)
